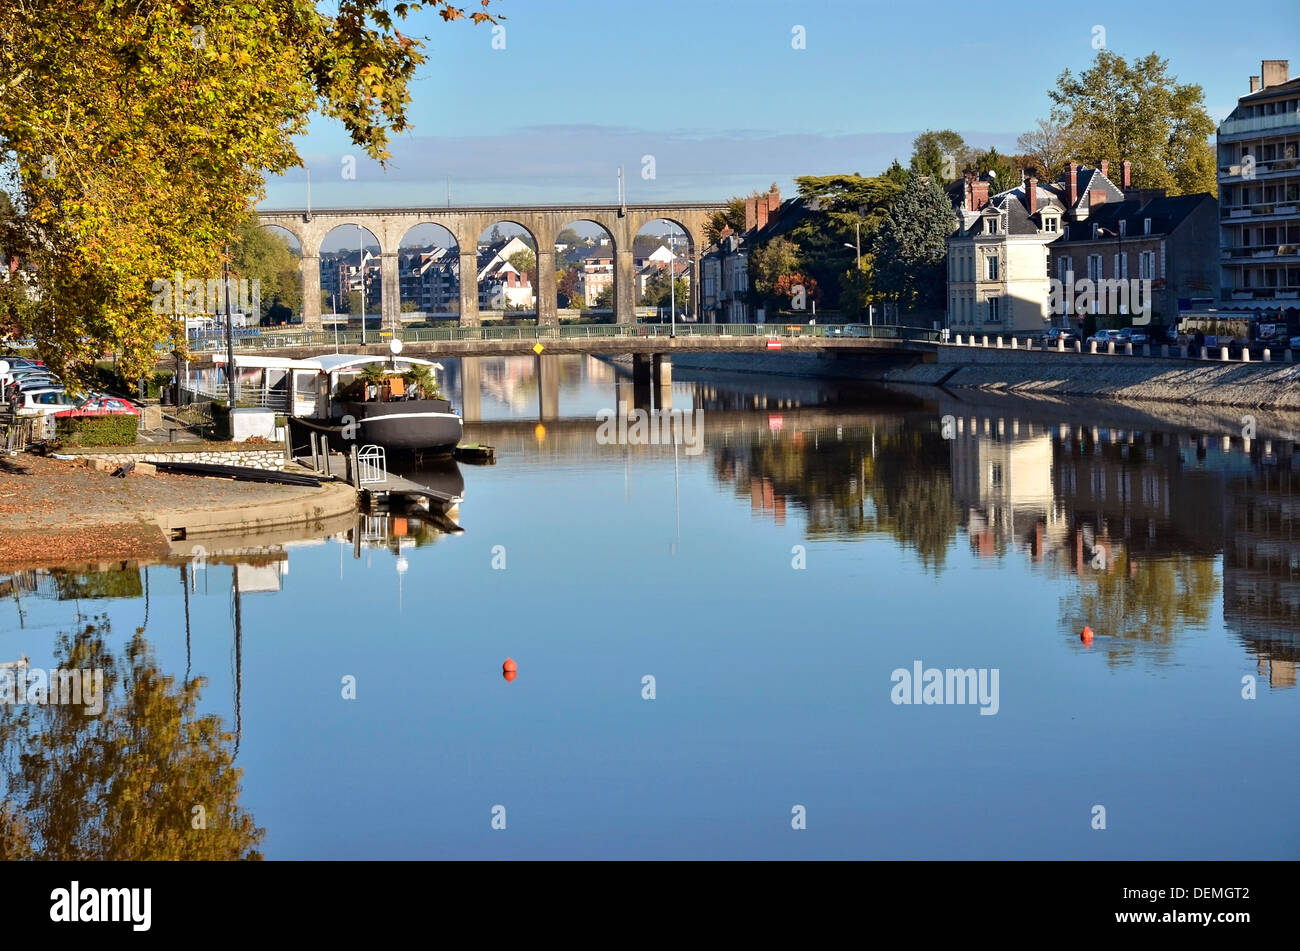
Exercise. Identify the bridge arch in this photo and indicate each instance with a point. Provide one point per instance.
(502, 279)
(428, 255)
(586, 278)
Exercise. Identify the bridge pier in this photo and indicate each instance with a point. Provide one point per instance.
(547, 305)
(309, 271)
(471, 389)
(548, 386)
(642, 380)
(624, 287)
(469, 287)
(661, 370)
(390, 292)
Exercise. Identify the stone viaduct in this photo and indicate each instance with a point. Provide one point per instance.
(467, 223)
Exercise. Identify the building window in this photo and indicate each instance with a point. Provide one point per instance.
(1146, 225)
(991, 265)
(1094, 267)
(994, 314)
(1123, 228)
(1050, 224)
(1147, 266)
(1063, 268)
(992, 226)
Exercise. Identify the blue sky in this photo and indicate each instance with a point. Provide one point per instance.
(716, 93)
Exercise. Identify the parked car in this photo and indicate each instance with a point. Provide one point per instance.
(1052, 334)
(1133, 335)
(99, 404)
(1104, 336)
(45, 401)
(1295, 343)
(857, 330)
(833, 330)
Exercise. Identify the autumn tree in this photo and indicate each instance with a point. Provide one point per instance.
(768, 264)
(1046, 146)
(138, 135)
(121, 785)
(1118, 110)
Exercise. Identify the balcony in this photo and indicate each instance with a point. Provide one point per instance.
(1259, 124)
(1260, 251)
(1278, 167)
(1261, 210)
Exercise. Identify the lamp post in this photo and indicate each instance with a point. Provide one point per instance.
(672, 283)
(361, 240)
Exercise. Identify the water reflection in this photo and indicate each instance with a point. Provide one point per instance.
(147, 778)
(989, 529)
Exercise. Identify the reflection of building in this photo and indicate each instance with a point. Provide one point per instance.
(1261, 560)
(1002, 479)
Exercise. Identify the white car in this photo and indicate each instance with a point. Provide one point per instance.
(45, 401)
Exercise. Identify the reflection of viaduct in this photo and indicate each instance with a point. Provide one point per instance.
(466, 224)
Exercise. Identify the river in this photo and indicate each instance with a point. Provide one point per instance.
(716, 644)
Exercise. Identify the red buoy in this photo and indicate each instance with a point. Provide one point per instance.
(1086, 635)
(509, 665)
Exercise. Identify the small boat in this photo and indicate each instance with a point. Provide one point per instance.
(332, 395)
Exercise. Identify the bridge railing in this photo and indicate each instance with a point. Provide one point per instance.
(291, 338)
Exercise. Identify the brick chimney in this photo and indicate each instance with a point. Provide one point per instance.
(979, 195)
(1273, 72)
(1254, 84)
(968, 197)
(1105, 167)
(1072, 184)
(1031, 194)
(751, 213)
(1128, 173)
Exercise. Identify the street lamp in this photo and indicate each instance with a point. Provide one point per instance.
(672, 283)
(361, 239)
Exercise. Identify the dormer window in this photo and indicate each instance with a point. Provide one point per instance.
(1123, 228)
(1146, 225)
(992, 226)
(1051, 224)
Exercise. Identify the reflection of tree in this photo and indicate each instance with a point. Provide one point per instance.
(904, 473)
(1144, 604)
(122, 785)
(912, 490)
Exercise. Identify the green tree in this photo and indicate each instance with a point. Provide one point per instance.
(1003, 169)
(258, 254)
(1137, 111)
(605, 299)
(120, 785)
(732, 216)
(940, 155)
(658, 292)
(912, 245)
(569, 236)
(139, 135)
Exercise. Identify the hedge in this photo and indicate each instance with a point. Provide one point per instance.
(91, 431)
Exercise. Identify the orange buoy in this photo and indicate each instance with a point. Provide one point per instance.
(510, 666)
(509, 675)
(1086, 635)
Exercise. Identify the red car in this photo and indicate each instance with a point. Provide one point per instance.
(99, 405)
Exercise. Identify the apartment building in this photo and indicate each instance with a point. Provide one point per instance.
(1259, 194)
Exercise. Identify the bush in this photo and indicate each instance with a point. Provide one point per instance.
(92, 431)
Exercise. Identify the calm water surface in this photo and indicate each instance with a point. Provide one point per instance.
(771, 585)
